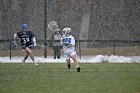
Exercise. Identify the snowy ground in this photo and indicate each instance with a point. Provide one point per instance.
(84, 59)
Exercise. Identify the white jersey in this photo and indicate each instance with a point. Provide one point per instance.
(68, 43)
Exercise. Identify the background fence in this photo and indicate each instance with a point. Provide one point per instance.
(107, 47)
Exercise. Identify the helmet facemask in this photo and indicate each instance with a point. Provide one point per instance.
(24, 27)
(66, 31)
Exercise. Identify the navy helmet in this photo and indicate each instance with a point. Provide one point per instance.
(24, 26)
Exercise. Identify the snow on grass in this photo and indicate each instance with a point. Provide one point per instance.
(84, 59)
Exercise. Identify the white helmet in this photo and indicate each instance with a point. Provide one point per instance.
(66, 30)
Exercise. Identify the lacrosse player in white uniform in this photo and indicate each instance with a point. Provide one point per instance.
(68, 42)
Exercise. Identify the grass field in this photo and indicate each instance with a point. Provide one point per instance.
(55, 78)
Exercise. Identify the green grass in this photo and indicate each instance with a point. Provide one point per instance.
(55, 78)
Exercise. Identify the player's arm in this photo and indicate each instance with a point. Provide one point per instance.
(18, 34)
(15, 35)
(61, 41)
(72, 41)
(34, 41)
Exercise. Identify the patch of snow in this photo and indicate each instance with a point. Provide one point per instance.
(84, 59)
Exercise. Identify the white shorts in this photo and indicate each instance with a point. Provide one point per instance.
(68, 55)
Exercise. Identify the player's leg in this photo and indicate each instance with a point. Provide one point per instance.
(29, 51)
(68, 63)
(66, 55)
(58, 52)
(54, 49)
(25, 58)
(74, 58)
(55, 53)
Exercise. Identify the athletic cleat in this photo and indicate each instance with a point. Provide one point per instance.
(78, 69)
(68, 66)
(36, 65)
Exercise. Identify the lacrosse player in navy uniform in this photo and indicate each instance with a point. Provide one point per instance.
(27, 39)
(68, 42)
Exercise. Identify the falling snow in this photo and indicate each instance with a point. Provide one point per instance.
(112, 23)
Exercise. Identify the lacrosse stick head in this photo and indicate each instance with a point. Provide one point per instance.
(53, 26)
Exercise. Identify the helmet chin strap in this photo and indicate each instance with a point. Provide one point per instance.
(25, 29)
(67, 35)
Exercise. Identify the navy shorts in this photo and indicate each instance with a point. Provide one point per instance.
(26, 45)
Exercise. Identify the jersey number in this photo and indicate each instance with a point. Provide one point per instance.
(67, 40)
(25, 40)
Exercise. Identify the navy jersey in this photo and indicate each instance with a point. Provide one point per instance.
(26, 38)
